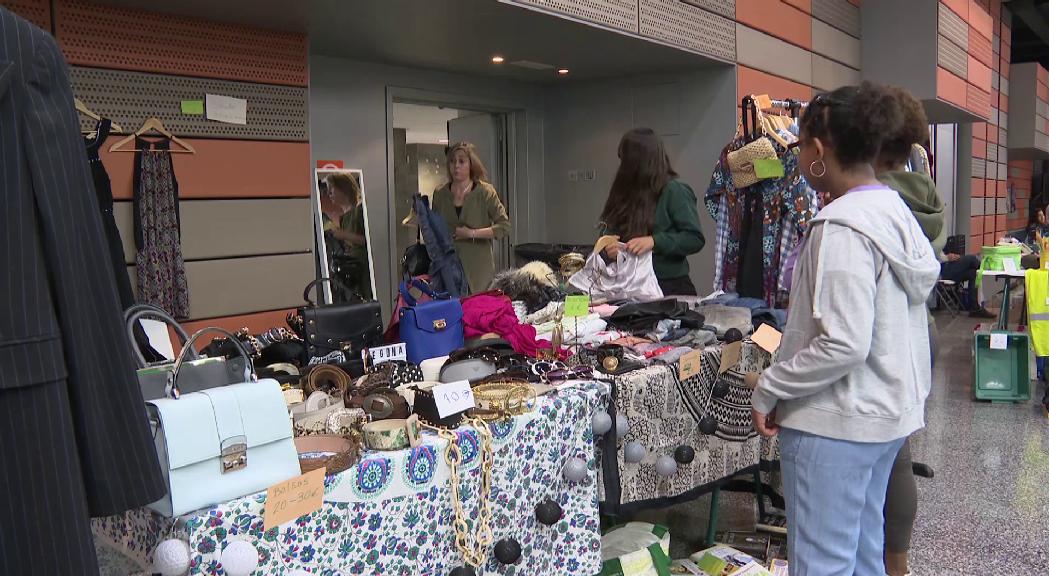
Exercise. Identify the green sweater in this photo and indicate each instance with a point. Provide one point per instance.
(676, 231)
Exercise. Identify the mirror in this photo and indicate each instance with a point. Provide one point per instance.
(344, 244)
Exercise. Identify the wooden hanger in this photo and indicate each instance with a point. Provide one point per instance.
(83, 109)
(157, 126)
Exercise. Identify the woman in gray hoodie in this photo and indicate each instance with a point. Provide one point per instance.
(854, 365)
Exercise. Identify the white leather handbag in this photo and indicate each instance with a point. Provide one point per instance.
(222, 443)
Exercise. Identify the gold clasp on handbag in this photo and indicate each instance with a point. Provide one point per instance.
(440, 324)
(234, 454)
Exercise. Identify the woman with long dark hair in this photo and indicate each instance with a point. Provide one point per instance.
(652, 211)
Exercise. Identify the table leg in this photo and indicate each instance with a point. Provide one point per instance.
(1003, 316)
(712, 522)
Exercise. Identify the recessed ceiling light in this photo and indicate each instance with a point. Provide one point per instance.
(562, 71)
(498, 59)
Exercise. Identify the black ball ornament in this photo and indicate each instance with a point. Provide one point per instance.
(507, 551)
(548, 512)
(464, 570)
(708, 425)
(684, 454)
(720, 388)
(733, 335)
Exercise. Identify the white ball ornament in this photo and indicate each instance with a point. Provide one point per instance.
(239, 558)
(171, 558)
(666, 466)
(575, 470)
(634, 452)
(601, 423)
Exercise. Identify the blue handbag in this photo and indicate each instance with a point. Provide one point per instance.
(430, 329)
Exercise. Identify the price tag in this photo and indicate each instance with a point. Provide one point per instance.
(293, 498)
(453, 398)
(763, 101)
(1009, 264)
(730, 356)
(689, 364)
(388, 353)
(711, 564)
(193, 107)
(576, 306)
(768, 338)
(999, 341)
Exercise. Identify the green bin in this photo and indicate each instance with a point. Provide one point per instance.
(1002, 375)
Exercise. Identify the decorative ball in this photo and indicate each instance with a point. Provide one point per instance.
(171, 558)
(575, 470)
(708, 425)
(684, 454)
(548, 512)
(634, 452)
(720, 389)
(622, 425)
(733, 335)
(464, 570)
(666, 466)
(508, 551)
(601, 423)
(239, 558)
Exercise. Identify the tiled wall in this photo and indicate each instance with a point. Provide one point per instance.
(990, 217)
(247, 233)
(795, 48)
(967, 61)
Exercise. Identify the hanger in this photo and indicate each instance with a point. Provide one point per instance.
(83, 109)
(157, 126)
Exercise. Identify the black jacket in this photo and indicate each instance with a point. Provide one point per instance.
(73, 431)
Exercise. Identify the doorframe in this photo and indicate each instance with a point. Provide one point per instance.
(517, 173)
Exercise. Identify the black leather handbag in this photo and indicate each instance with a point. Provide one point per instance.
(349, 328)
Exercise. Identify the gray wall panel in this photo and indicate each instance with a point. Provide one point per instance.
(618, 14)
(245, 285)
(838, 13)
(951, 56)
(129, 98)
(227, 228)
(835, 44)
(724, 7)
(953, 27)
(768, 54)
(828, 75)
(977, 208)
(689, 27)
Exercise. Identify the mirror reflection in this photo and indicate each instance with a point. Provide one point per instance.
(346, 252)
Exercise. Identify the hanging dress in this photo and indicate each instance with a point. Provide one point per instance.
(160, 270)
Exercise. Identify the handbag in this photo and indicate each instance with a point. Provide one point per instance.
(195, 374)
(421, 286)
(221, 443)
(430, 329)
(741, 162)
(416, 260)
(349, 328)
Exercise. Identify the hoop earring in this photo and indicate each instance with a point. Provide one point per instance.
(812, 168)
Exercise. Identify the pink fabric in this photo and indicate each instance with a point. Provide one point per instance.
(483, 314)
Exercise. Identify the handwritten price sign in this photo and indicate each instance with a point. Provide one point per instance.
(453, 398)
(293, 498)
(689, 364)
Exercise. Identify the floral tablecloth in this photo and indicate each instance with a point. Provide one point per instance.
(392, 514)
(663, 413)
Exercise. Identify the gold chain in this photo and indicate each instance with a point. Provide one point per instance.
(483, 537)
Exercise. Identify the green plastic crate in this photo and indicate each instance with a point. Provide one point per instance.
(1002, 375)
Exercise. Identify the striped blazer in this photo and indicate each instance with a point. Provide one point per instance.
(73, 433)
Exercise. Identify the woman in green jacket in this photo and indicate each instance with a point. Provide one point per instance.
(651, 211)
(473, 213)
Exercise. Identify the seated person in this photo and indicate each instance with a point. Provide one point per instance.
(962, 268)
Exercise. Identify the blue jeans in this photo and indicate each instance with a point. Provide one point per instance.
(835, 492)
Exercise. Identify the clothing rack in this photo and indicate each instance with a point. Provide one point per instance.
(749, 104)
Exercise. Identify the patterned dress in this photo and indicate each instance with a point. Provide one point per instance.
(160, 270)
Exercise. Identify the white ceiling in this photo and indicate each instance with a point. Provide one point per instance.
(450, 35)
(424, 124)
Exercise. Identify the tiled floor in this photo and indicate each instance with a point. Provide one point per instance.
(987, 509)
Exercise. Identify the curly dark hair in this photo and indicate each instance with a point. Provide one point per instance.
(914, 130)
(854, 121)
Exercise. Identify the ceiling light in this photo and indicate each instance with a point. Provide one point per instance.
(562, 71)
(498, 59)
